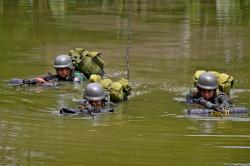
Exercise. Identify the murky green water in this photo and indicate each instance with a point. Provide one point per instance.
(168, 41)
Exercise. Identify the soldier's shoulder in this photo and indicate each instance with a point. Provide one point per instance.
(80, 75)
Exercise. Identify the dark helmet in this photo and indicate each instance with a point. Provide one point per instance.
(207, 80)
(94, 92)
(62, 61)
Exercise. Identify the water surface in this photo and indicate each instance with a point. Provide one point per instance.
(167, 41)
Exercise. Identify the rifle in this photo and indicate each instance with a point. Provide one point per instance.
(209, 105)
(204, 111)
(19, 82)
(89, 111)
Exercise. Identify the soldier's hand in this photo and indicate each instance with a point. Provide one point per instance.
(202, 100)
(40, 80)
(219, 108)
(206, 103)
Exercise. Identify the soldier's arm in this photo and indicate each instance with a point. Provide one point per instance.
(222, 100)
(192, 98)
(40, 80)
(79, 77)
(207, 104)
(45, 78)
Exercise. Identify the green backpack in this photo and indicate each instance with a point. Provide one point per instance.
(225, 82)
(119, 91)
(87, 62)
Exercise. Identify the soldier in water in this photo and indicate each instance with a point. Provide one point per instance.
(95, 100)
(206, 93)
(65, 71)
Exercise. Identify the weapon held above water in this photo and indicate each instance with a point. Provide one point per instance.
(232, 110)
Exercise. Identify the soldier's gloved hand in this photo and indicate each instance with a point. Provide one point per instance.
(193, 101)
(206, 103)
(219, 108)
(77, 80)
(222, 100)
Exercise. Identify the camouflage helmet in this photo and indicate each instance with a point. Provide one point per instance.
(62, 61)
(94, 92)
(208, 81)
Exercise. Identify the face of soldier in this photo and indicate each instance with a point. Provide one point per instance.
(63, 72)
(207, 94)
(96, 103)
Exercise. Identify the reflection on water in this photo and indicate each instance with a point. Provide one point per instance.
(166, 41)
(57, 8)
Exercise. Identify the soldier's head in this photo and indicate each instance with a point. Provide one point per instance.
(207, 85)
(63, 65)
(95, 94)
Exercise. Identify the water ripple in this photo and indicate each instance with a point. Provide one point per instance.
(235, 147)
(225, 136)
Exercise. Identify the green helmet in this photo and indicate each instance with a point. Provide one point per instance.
(208, 81)
(94, 92)
(62, 61)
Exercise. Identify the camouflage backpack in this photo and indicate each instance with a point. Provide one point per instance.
(225, 82)
(87, 62)
(119, 91)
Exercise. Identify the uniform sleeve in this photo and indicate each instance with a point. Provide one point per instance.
(79, 77)
(192, 97)
(222, 100)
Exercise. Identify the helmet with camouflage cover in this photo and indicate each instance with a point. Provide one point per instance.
(208, 81)
(62, 61)
(94, 92)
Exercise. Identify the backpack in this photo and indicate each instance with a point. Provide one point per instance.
(225, 82)
(118, 91)
(87, 62)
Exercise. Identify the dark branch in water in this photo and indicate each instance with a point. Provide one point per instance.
(128, 37)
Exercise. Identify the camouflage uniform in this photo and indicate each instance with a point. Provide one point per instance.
(75, 76)
(219, 100)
